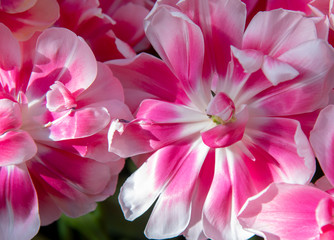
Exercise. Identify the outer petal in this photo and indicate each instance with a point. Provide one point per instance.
(16, 147)
(172, 212)
(37, 18)
(145, 77)
(105, 87)
(18, 204)
(129, 27)
(321, 138)
(307, 92)
(283, 211)
(143, 187)
(297, 5)
(180, 44)
(277, 31)
(222, 23)
(61, 56)
(70, 182)
(283, 146)
(16, 6)
(10, 58)
(229, 190)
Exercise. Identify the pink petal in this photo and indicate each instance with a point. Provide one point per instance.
(18, 204)
(283, 211)
(79, 123)
(229, 189)
(16, 6)
(105, 87)
(285, 148)
(225, 135)
(72, 182)
(16, 147)
(145, 77)
(165, 112)
(296, 5)
(308, 91)
(251, 60)
(142, 188)
(10, 115)
(277, 71)
(324, 215)
(277, 31)
(59, 98)
(128, 139)
(222, 26)
(180, 44)
(321, 138)
(37, 18)
(168, 122)
(129, 27)
(172, 212)
(10, 58)
(61, 56)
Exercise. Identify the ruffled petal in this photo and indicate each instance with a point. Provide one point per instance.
(61, 56)
(277, 31)
(309, 90)
(79, 123)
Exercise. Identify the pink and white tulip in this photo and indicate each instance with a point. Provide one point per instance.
(56, 106)
(222, 122)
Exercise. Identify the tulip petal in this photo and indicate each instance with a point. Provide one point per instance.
(16, 147)
(18, 204)
(61, 56)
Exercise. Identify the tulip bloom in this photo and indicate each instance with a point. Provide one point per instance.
(56, 105)
(221, 113)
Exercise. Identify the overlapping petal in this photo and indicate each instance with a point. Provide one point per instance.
(321, 138)
(180, 44)
(18, 204)
(284, 211)
(67, 59)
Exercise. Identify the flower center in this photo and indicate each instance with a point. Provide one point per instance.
(221, 109)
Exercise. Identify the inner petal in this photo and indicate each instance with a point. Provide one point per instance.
(59, 98)
(221, 108)
(227, 133)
